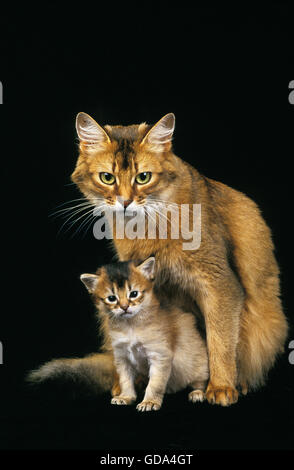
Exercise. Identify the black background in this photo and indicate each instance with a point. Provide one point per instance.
(225, 75)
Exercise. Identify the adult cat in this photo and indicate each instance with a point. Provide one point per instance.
(233, 277)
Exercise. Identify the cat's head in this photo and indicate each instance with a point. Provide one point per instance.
(122, 289)
(125, 166)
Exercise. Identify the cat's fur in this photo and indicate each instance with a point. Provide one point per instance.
(160, 344)
(233, 277)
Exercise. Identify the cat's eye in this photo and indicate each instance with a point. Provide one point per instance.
(133, 294)
(107, 178)
(112, 299)
(143, 178)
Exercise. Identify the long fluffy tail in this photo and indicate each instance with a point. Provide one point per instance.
(96, 370)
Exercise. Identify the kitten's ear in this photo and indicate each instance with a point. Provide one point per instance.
(90, 281)
(160, 135)
(147, 268)
(89, 132)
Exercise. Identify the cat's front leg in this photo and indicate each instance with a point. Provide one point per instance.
(158, 377)
(221, 299)
(126, 381)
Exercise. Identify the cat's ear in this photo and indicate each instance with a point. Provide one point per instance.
(160, 135)
(90, 281)
(89, 132)
(147, 268)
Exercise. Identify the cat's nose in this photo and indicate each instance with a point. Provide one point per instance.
(127, 202)
(124, 306)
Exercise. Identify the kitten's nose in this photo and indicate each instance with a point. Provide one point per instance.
(124, 306)
(127, 202)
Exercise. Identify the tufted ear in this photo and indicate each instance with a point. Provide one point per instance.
(160, 135)
(89, 132)
(147, 268)
(90, 281)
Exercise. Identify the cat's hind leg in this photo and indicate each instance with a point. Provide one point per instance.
(198, 392)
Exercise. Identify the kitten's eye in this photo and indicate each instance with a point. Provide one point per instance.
(107, 178)
(143, 178)
(112, 299)
(133, 294)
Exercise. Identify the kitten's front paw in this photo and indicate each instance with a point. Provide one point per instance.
(148, 405)
(196, 395)
(222, 395)
(122, 400)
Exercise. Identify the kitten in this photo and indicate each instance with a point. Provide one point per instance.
(233, 277)
(161, 344)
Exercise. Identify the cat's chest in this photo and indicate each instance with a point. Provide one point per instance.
(139, 249)
(130, 347)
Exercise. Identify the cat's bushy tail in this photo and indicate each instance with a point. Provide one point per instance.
(96, 371)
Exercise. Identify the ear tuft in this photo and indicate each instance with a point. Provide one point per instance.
(89, 132)
(90, 281)
(161, 134)
(147, 268)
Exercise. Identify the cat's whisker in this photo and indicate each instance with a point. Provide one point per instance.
(61, 212)
(148, 211)
(169, 204)
(74, 222)
(151, 199)
(74, 213)
(85, 223)
(184, 217)
(90, 219)
(72, 200)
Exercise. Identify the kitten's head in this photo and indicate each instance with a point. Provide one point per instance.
(125, 166)
(122, 289)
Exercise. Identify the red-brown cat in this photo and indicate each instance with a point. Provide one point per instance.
(233, 276)
(161, 344)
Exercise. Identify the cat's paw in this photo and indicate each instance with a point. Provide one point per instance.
(148, 405)
(122, 400)
(244, 388)
(196, 395)
(221, 395)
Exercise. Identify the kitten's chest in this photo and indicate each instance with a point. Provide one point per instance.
(131, 348)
